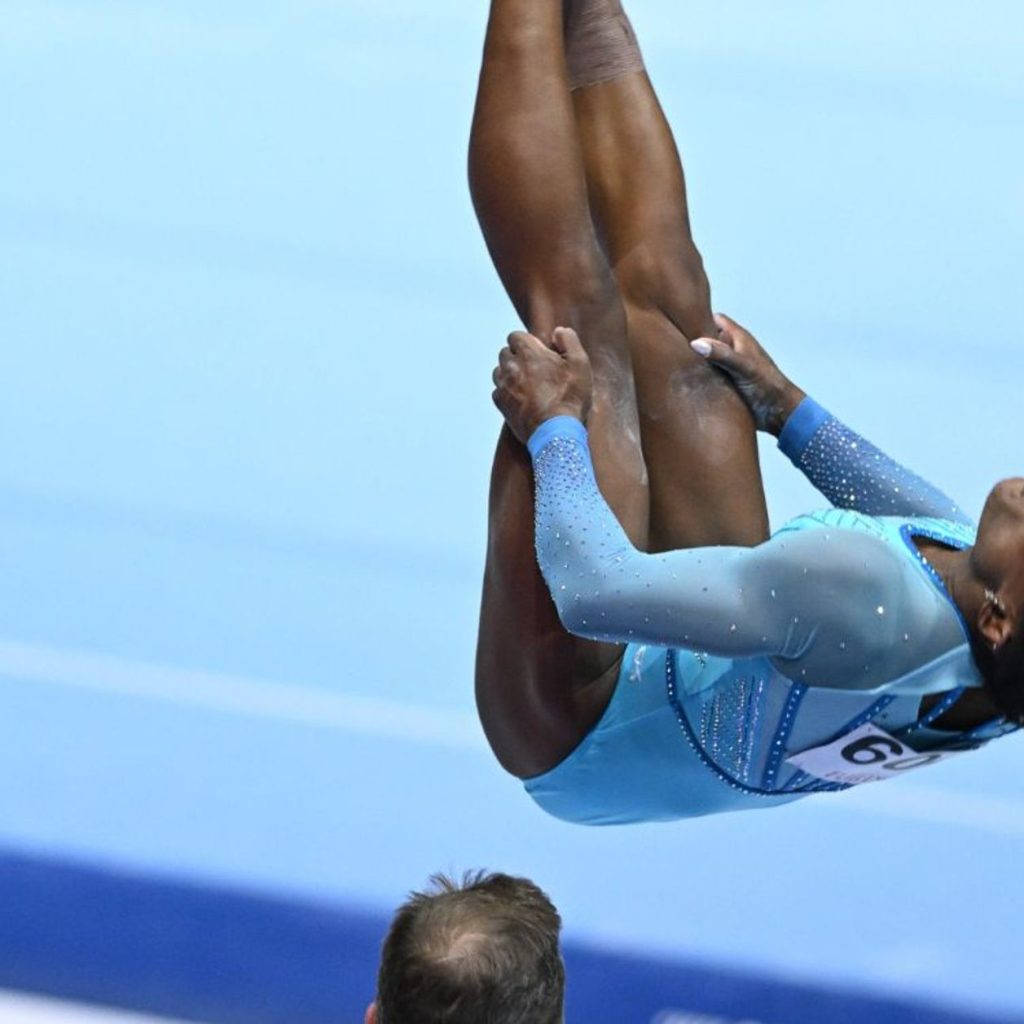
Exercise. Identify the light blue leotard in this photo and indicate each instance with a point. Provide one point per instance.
(740, 658)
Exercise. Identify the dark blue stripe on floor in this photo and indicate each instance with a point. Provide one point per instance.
(230, 957)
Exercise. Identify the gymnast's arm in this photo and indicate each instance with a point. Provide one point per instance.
(790, 599)
(852, 473)
(846, 468)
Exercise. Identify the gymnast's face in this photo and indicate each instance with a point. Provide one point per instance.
(998, 555)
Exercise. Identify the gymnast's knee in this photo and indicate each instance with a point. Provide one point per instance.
(580, 292)
(672, 282)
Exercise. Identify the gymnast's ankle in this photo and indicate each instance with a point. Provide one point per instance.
(600, 44)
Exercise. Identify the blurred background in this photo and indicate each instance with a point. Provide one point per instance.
(247, 329)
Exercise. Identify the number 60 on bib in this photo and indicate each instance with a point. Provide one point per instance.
(867, 754)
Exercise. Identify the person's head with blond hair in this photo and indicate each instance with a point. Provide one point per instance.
(482, 949)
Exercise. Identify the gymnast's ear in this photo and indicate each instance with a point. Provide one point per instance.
(994, 622)
(371, 1014)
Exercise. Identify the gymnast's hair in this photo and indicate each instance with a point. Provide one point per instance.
(483, 949)
(1005, 677)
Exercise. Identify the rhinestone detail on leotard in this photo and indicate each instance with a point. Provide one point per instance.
(852, 473)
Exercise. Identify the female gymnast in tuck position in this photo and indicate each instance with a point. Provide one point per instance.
(673, 660)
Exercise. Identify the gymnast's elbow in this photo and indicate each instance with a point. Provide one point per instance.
(579, 613)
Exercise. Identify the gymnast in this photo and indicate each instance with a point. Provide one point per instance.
(673, 660)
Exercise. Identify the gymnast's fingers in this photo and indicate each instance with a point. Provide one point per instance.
(719, 352)
(519, 341)
(741, 340)
(566, 342)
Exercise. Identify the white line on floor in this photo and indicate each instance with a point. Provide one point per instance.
(22, 1009)
(242, 695)
(1003, 816)
(393, 720)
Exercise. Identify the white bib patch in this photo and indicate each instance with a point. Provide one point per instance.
(865, 755)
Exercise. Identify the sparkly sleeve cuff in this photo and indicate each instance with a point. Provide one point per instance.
(558, 426)
(804, 422)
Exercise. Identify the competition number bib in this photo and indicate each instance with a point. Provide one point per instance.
(865, 755)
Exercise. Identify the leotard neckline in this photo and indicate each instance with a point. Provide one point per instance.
(908, 531)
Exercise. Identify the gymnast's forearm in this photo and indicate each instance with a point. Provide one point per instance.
(606, 589)
(852, 473)
(848, 470)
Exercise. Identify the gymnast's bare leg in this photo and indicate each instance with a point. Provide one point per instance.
(699, 439)
(540, 690)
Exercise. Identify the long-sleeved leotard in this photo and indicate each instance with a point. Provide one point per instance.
(834, 623)
(853, 474)
(830, 607)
